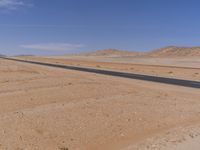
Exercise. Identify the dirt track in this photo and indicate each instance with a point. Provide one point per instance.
(47, 108)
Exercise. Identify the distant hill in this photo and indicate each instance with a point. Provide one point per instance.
(170, 51)
(23, 55)
(111, 52)
(2, 55)
(173, 51)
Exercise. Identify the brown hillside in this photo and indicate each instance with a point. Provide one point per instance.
(112, 52)
(173, 51)
(170, 51)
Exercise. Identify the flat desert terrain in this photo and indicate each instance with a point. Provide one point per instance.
(56, 109)
(181, 68)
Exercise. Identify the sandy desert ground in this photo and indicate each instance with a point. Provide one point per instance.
(55, 109)
(181, 68)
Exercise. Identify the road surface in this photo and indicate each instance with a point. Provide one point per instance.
(172, 81)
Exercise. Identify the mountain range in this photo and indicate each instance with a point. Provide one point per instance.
(170, 51)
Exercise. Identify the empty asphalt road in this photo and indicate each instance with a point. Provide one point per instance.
(172, 81)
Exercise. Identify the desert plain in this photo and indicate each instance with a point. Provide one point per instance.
(56, 109)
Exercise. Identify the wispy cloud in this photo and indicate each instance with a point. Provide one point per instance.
(11, 4)
(37, 26)
(53, 46)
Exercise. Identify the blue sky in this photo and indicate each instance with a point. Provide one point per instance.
(54, 27)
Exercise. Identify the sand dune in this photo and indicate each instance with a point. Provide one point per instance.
(111, 52)
(171, 51)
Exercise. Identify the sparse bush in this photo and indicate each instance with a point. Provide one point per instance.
(64, 148)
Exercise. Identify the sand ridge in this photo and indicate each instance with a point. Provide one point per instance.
(169, 51)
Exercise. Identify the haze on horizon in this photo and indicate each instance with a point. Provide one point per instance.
(60, 27)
